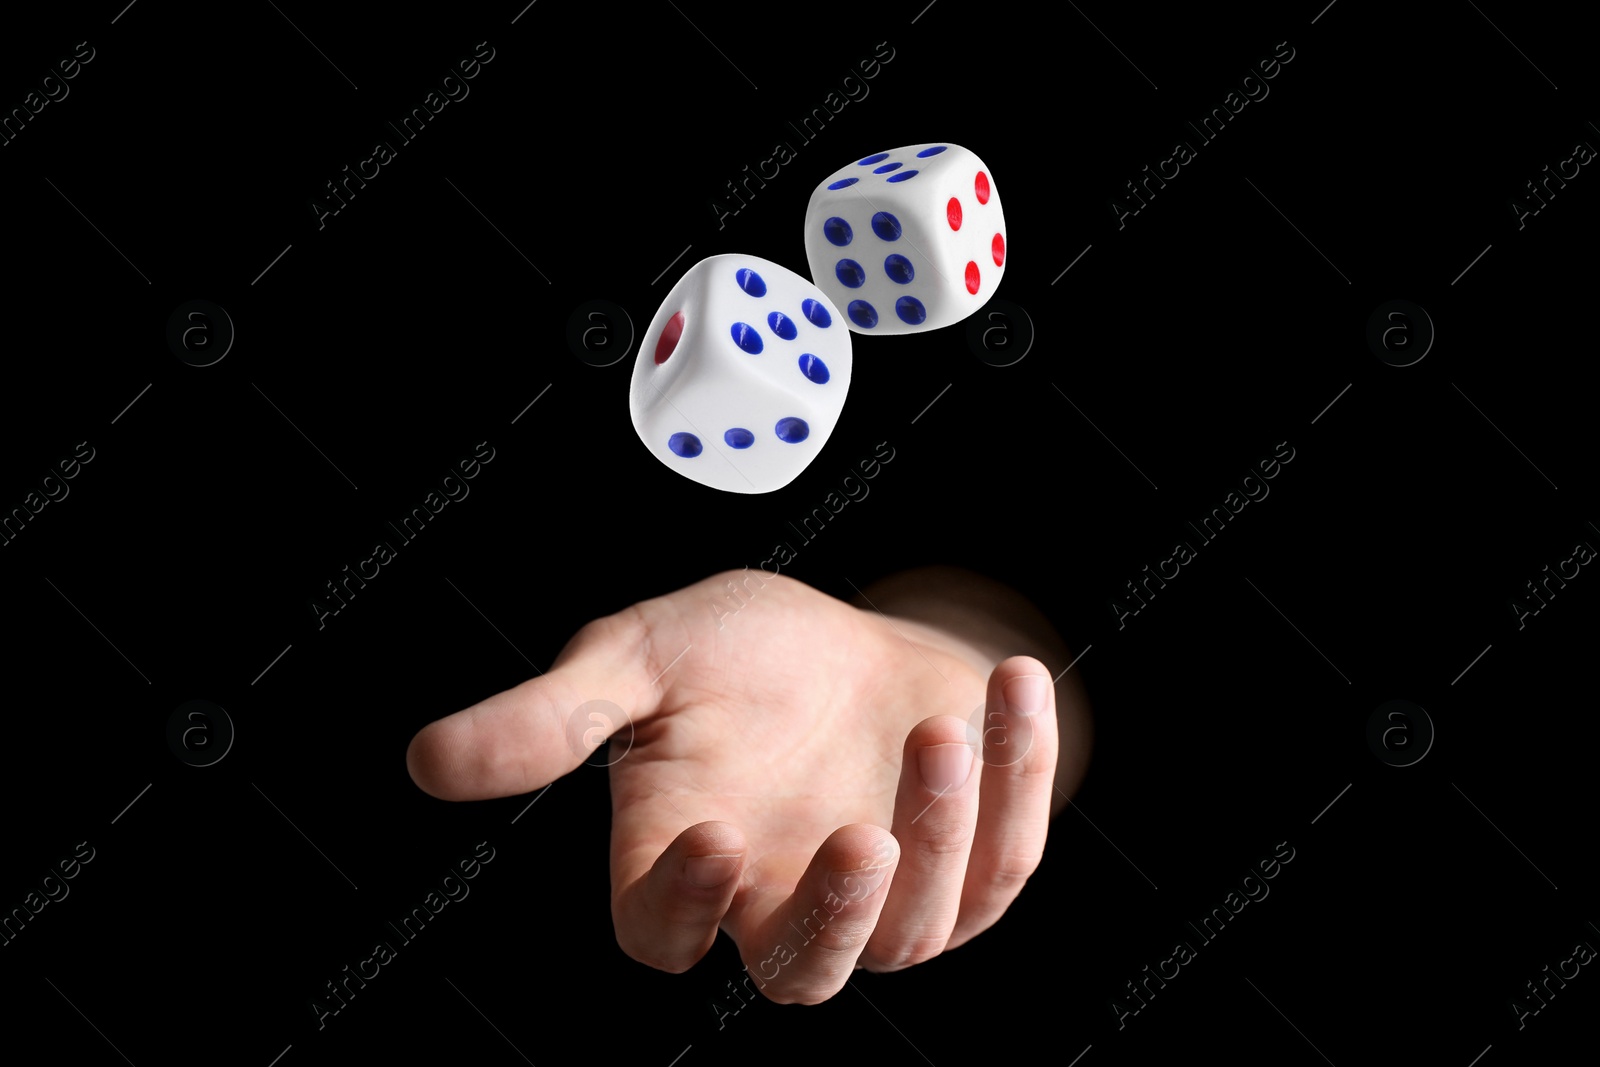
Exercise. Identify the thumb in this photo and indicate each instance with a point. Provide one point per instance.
(524, 738)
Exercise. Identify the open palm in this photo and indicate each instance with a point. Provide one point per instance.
(832, 787)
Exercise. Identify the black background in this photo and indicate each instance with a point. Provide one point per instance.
(382, 347)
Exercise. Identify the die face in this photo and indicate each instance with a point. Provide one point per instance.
(741, 375)
(907, 240)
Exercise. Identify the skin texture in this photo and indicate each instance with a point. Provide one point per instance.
(833, 786)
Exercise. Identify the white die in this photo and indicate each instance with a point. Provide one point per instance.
(908, 240)
(741, 375)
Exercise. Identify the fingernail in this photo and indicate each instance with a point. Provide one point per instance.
(945, 767)
(1027, 695)
(859, 884)
(709, 871)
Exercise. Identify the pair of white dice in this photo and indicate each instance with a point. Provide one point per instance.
(743, 371)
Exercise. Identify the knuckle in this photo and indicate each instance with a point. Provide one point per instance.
(788, 984)
(943, 842)
(1012, 871)
(903, 952)
(627, 624)
(841, 938)
(1039, 765)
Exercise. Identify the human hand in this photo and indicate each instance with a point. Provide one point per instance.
(802, 775)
